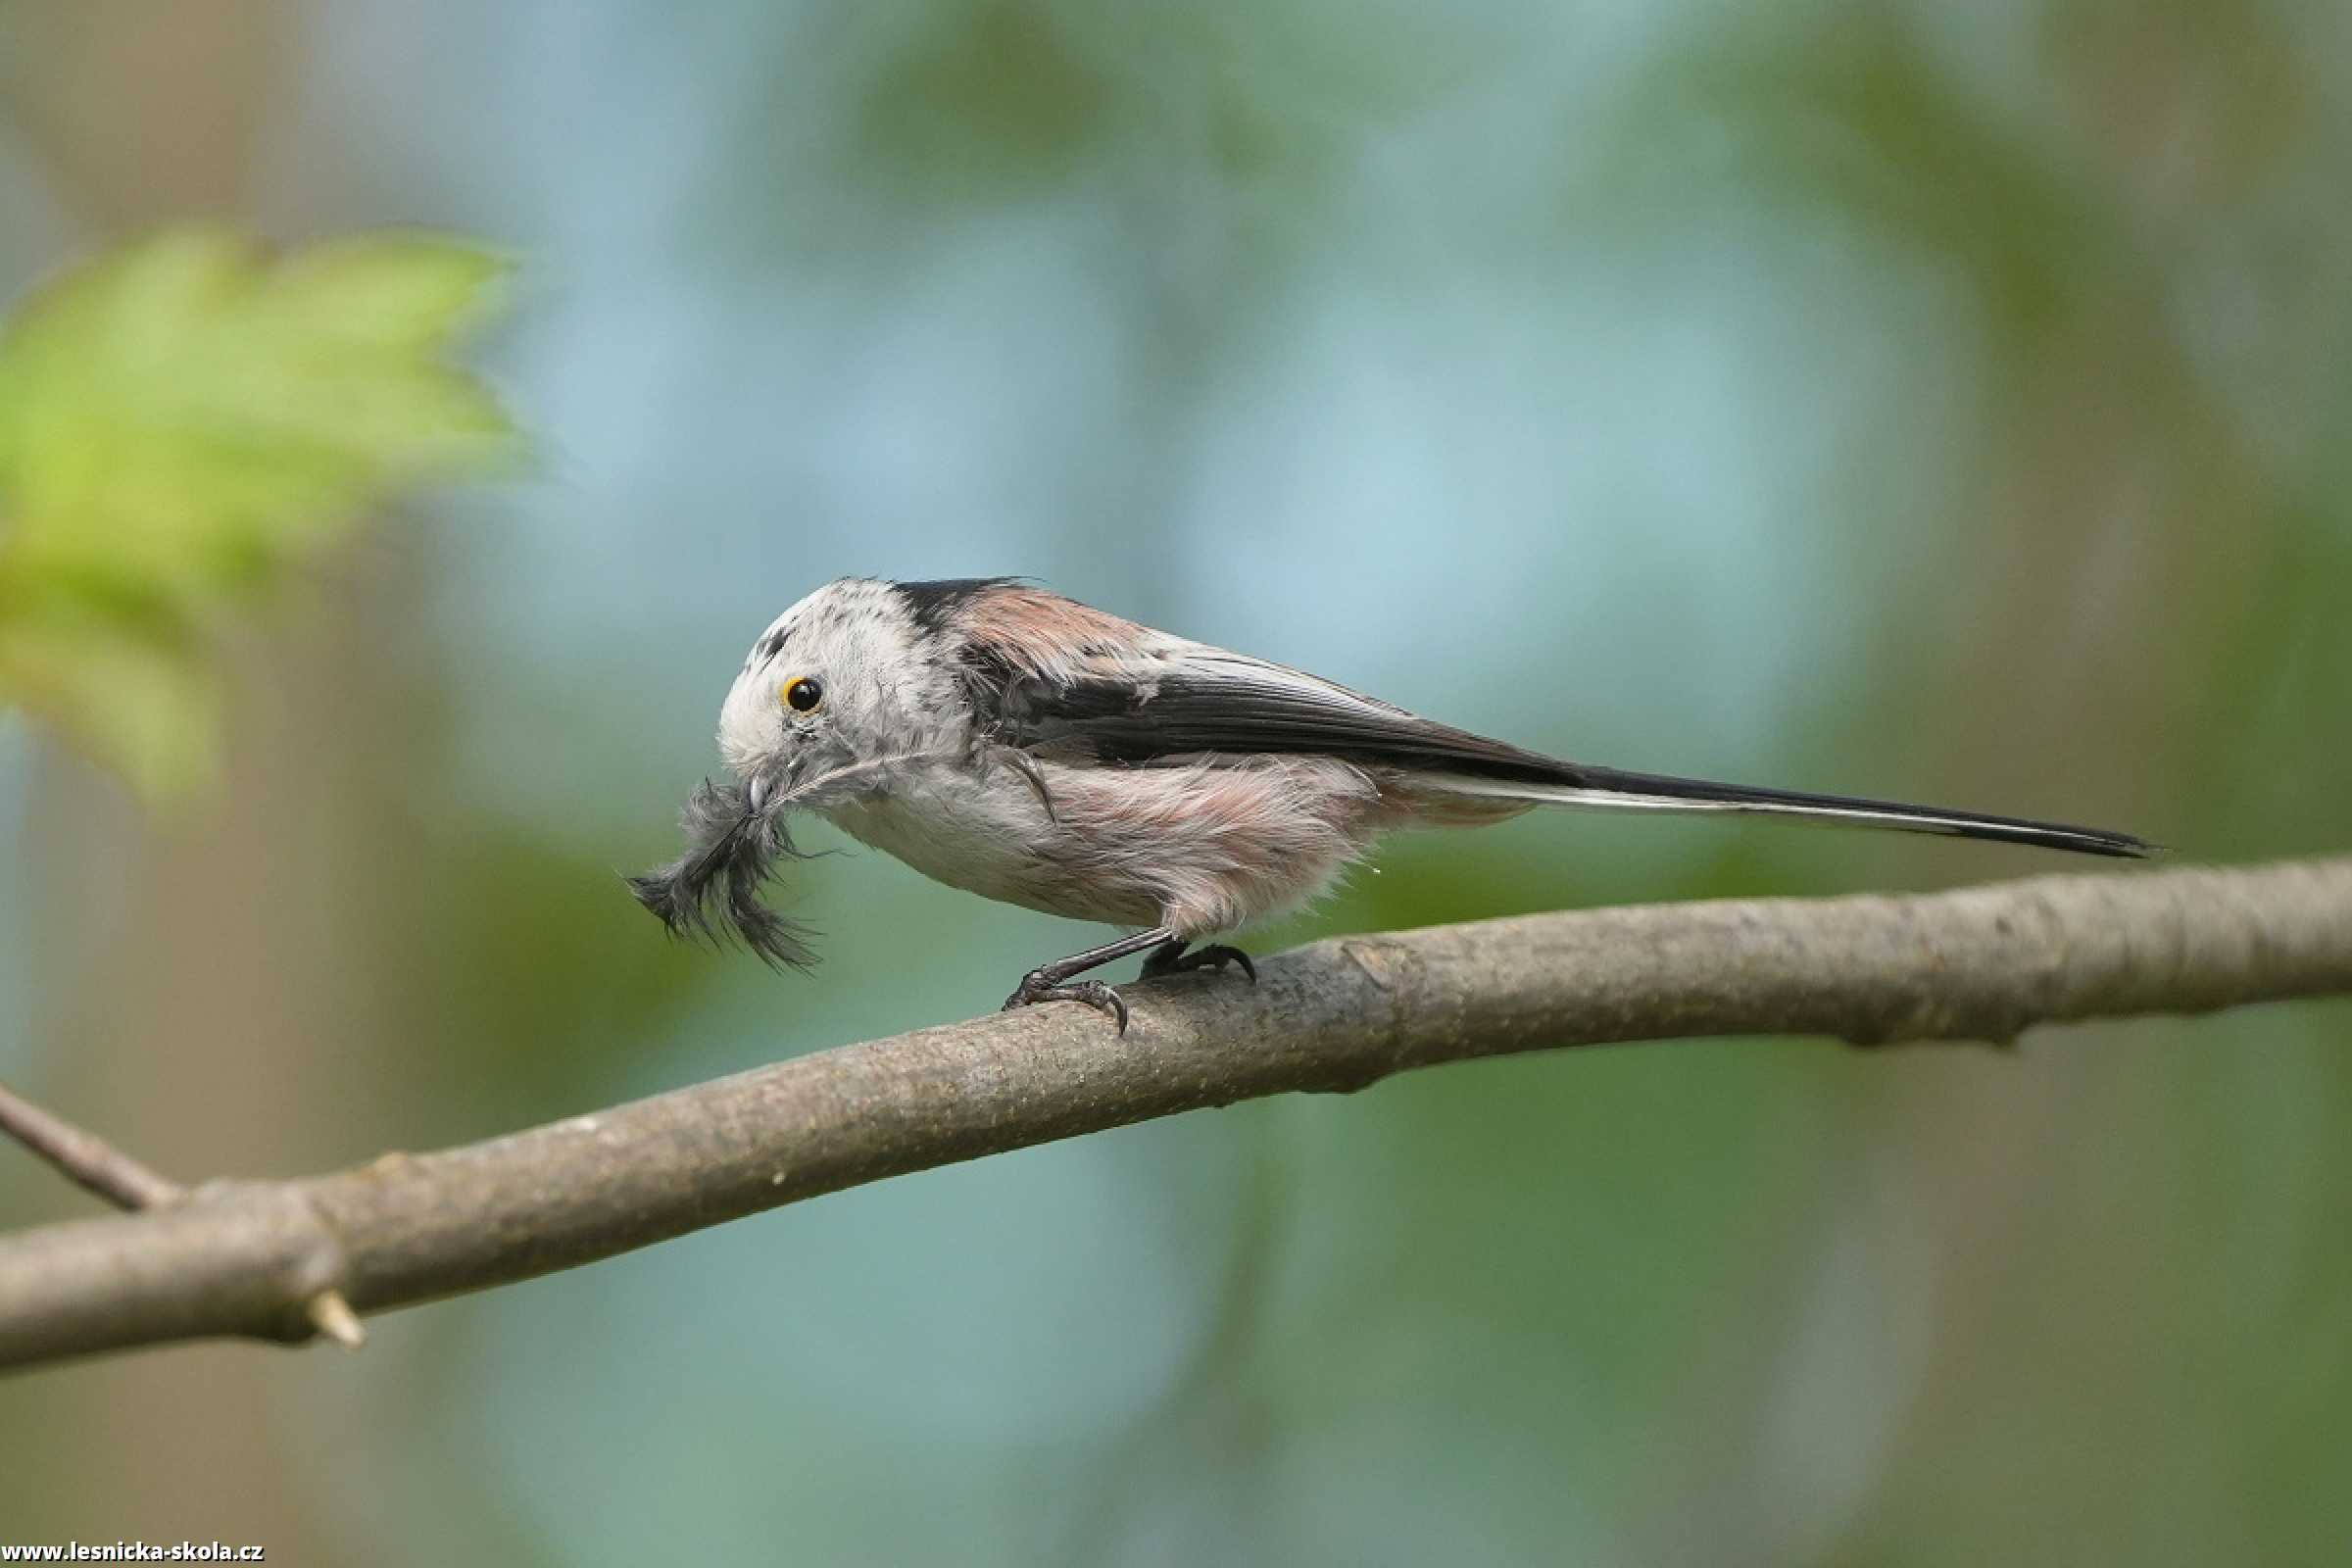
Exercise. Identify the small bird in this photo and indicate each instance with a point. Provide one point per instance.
(1019, 745)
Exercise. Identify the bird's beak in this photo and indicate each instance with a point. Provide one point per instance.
(759, 790)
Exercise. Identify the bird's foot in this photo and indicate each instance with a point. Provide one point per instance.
(1170, 957)
(1036, 987)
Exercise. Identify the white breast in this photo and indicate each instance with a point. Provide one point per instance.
(987, 832)
(1210, 846)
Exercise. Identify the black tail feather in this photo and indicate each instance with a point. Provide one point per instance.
(1666, 790)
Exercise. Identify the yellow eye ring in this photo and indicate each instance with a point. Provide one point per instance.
(802, 694)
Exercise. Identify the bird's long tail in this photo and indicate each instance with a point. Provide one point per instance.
(1607, 789)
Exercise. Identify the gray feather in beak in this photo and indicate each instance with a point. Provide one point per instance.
(712, 889)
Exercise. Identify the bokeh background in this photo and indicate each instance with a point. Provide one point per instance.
(1919, 399)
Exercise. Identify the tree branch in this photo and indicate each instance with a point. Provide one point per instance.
(1979, 963)
(91, 1163)
(83, 1158)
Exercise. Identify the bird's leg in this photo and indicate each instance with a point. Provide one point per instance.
(1169, 958)
(1051, 982)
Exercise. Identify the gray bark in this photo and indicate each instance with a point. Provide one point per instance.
(1985, 963)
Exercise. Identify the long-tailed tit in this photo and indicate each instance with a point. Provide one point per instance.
(1023, 746)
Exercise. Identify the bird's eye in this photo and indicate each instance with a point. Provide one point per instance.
(802, 694)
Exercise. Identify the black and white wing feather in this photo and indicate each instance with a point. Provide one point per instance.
(1154, 699)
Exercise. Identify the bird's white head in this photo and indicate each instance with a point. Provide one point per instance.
(839, 690)
(846, 676)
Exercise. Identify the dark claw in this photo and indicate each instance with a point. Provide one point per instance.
(1093, 993)
(1218, 956)
(1171, 959)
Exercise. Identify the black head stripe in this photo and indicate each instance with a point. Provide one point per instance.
(981, 669)
(934, 604)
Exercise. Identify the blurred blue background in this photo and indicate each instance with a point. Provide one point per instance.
(1943, 403)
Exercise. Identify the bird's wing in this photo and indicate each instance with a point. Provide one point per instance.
(1046, 674)
(1155, 698)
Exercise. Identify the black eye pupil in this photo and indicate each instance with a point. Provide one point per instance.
(805, 695)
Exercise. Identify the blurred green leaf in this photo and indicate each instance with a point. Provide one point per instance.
(180, 423)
